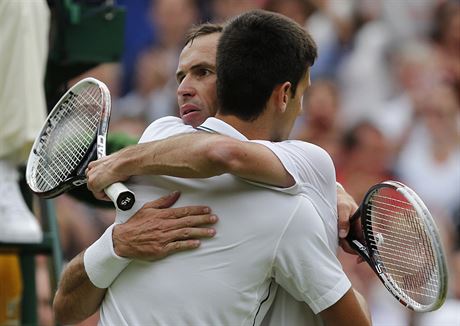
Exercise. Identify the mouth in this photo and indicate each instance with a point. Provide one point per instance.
(187, 109)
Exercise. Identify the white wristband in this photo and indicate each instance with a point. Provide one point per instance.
(101, 262)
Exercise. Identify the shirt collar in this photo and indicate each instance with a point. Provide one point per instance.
(221, 127)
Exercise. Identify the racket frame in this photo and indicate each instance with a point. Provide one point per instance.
(371, 256)
(77, 177)
(121, 196)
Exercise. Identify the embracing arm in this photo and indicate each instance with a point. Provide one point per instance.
(76, 298)
(202, 155)
(154, 232)
(194, 155)
(351, 309)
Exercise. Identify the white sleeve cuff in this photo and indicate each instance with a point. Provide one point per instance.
(101, 262)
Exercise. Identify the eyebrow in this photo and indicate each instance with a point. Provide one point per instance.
(180, 73)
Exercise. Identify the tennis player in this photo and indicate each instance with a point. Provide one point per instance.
(201, 155)
(245, 298)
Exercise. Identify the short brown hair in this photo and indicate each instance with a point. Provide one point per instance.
(202, 30)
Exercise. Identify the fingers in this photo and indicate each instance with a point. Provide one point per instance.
(346, 247)
(176, 213)
(177, 246)
(192, 233)
(164, 202)
(192, 221)
(343, 224)
(101, 196)
(346, 206)
(104, 172)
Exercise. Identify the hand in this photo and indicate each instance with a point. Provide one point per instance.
(346, 207)
(104, 172)
(156, 231)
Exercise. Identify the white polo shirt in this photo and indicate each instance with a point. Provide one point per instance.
(264, 238)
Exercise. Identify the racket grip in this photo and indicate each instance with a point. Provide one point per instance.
(122, 197)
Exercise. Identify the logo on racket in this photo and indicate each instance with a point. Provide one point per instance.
(78, 183)
(100, 145)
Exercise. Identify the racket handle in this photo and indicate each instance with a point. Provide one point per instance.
(122, 197)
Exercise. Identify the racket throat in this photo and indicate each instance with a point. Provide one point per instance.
(90, 156)
(359, 247)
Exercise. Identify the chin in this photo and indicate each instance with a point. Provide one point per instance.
(191, 122)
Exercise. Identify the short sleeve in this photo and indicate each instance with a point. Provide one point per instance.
(306, 162)
(305, 265)
(312, 169)
(164, 128)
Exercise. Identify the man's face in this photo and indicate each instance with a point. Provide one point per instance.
(196, 76)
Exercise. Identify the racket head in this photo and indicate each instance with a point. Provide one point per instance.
(67, 141)
(404, 246)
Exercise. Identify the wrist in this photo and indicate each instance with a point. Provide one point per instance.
(119, 246)
(102, 264)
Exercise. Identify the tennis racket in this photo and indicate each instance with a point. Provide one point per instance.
(73, 135)
(401, 243)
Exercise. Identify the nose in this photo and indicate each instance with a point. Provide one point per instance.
(186, 88)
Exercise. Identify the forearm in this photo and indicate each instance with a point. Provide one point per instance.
(76, 298)
(86, 279)
(351, 310)
(203, 155)
(187, 155)
(363, 304)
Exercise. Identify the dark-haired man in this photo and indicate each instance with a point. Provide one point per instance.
(270, 117)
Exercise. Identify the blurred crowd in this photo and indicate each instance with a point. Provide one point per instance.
(384, 102)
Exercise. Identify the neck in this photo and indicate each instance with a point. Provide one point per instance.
(254, 129)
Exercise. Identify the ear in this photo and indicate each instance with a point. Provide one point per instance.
(282, 95)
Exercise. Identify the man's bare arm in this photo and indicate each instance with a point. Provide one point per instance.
(76, 298)
(196, 155)
(154, 232)
(203, 155)
(350, 310)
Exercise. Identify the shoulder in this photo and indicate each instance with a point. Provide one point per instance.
(307, 163)
(306, 150)
(163, 128)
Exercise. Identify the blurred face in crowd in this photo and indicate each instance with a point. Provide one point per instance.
(196, 76)
(173, 18)
(321, 105)
(440, 112)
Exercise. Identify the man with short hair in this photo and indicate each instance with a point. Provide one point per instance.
(276, 109)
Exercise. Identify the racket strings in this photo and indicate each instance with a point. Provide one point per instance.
(400, 241)
(70, 133)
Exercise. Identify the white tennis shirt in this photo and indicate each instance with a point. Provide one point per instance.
(265, 238)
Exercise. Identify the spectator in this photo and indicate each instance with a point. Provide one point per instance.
(319, 123)
(429, 160)
(154, 94)
(366, 159)
(447, 41)
(24, 47)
